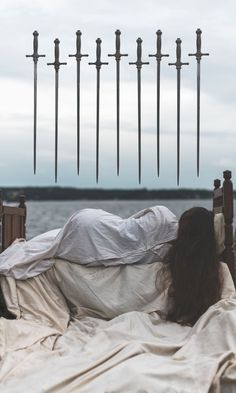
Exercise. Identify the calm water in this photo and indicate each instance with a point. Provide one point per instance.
(43, 216)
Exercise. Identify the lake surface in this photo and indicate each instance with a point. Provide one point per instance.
(43, 216)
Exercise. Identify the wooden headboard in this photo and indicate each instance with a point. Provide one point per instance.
(223, 199)
(13, 219)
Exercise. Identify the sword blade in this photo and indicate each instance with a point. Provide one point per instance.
(35, 114)
(178, 124)
(139, 125)
(198, 116)
(78, 116)
(97, 125)
(56, 122)
(118, 114)
(158, 116)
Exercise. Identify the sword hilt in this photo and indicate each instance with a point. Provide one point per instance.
(139, 63)
(158, 55)
(78, 54)
(178, 62)
(198, 53)
(35, 54)
(56, 62)
(117, 54)
(98, 63)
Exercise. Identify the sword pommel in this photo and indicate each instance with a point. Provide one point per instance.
(117, 54)
(98, 63)
(78, 54)
(35, 54)
(56, 62)
(158, 55)
(178, 62)
(139, 63)
(198, 53)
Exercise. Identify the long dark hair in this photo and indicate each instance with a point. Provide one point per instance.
(193, 267)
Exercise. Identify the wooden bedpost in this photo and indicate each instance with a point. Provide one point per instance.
(217, 197)
(228, 215)
(23, 206)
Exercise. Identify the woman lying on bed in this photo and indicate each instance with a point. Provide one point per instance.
(187, 281)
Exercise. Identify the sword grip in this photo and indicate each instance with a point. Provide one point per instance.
(98, 63)
(198, 53)
(78, 54)
(178, 62)
(158, 55)
(178, 50)
(198, 40)
(78, 41)
(117, 54)
(139, 61)
(98, 50)
(139, 50)
(56, 50)
(56, 62)
(118, 33)
(35, 42)
(159, 33)
(35, 54)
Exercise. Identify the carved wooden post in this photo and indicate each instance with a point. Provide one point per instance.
(23, 206)
(228, 214)
(1, 208)
(217, 197)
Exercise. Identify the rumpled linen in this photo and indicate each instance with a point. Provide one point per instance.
(97, 329)
(94, 237)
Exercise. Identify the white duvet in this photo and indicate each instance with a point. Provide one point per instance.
(94, 237)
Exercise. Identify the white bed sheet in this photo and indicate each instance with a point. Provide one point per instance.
(103, 350)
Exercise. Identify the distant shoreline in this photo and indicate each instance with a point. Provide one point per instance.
(68, 193)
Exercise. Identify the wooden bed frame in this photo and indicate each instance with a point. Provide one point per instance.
(13, 219)
(223, 202)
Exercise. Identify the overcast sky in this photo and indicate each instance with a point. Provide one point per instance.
(61, 19)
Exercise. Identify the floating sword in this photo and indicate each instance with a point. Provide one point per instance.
(198, 56)
(56, 65)
(35, 57)
(178, 65)
(78, 57)
(98, 65)
(139, 64)
(118, 56)
(158, 57)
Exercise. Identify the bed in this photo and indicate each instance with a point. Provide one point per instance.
(57, 344)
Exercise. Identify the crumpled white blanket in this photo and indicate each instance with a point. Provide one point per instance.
(95, 237)
(115, 341)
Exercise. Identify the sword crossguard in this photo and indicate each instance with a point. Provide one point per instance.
(98, 63)
(78, 54)
(35, 54)
(56, 63)
(139, 63)
(178, 62)
(158, 55)
(198, 53)
(117, 54)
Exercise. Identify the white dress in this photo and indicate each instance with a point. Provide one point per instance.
(95, 237)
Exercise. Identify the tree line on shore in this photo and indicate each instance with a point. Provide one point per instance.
(67, 193)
